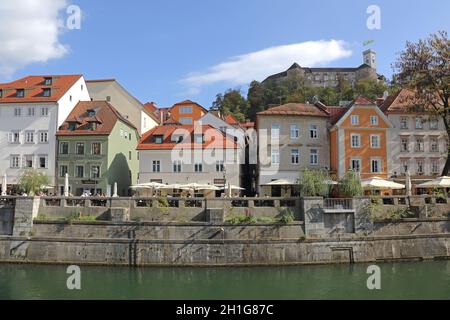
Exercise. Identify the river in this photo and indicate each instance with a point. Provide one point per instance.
(406, 280)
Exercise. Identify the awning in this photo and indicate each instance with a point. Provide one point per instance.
(441, 182)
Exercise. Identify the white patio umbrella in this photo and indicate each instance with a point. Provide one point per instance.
(66, 185)
(115, 195)
(408, 184)
(199, 186)
(148, 185)
(233, 187)
(174, 186)
(377, 183)
(280, 182)
(441, 182)
(4, 185)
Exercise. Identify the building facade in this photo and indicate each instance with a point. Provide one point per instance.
(183, 154)
(186, 112)
(419, 140)
(360, 140)
(292, 137)
(330, 77)
(31, 110)
(131, 108)
(97, 148)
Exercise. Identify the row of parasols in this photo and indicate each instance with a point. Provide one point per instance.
(377, 183)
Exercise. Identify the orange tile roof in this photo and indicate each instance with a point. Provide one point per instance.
(230, 119)
(361, 100)
(296, 109)
(34, 87)
(402, 101)
(189, 102)
(147, 142)
(150, 107)
(105, 114)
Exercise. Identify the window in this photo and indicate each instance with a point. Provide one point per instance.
(314, 157)
(434, 145)
(313, 131)
(79, 150)
(355, 141)
(354, 120)
(48, 81)
(96, 148)
(14, 137)
(43, 137)
(220, 166)
(435, 166)
(47, 92)
(295, 156)
(95, 172)
(186, 110)
(419, 145)
(275, 156)
(125, 135)
(43, 161)
(275, 132)
(29, 137)
(374, 120)
(79, 171)
(156, 166)
(63, 148)
(44, 112)
(374, 141)
(198, 167)
(419, 167)
(28, 161)
(404, 166)
(177, 166)
(129, 136)
(17, 112)
(14, 161)
(158, 139)
(198, 138)
(434, 124)
(185, 120)
(355, 165)
(62, 170)
(376, 166)
(129, 155)
(20, 93)
(404, 123)
(31, 112)
(419, 123)
(295, 132)
(121, 133)
(404, 146)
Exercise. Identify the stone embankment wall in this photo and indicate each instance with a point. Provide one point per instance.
(323, 232)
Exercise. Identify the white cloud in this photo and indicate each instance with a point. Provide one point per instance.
(29, 31)
(258, 65)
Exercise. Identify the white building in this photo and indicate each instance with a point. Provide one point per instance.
(128, 106)
(183, 154)
(31, 110)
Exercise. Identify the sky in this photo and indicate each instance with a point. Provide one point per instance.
(172, 50)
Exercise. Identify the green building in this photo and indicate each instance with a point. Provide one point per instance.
(97, 148)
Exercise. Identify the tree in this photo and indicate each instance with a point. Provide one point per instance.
(314, 183)
(350, 185)
(232, 102)
(424, 67)
(32, 181)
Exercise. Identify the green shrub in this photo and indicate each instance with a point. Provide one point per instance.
(314, 183)
(87, 218)
(350, 185)
(31, 181)
(287, 216)
(163, 203)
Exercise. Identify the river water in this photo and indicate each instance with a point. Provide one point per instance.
(406, 280)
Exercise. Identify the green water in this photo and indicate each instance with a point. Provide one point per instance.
(411, 280)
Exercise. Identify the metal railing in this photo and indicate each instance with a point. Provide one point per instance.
(338, 204)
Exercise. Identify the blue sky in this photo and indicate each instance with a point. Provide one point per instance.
(151, 46)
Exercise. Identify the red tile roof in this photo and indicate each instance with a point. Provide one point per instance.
(336, 113)
(402, 101)
(230, 119)
(361, 100)
(150, 107)
(211, 141)
(296, 109)
(34, 88)
(105, 114)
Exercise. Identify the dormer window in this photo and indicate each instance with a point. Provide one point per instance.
(20, 93)
(72, 126)
(158, 139)
(47, 92)
(91, 113)
(48, 81)
(93, 126)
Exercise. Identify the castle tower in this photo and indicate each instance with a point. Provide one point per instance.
(370, 58)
